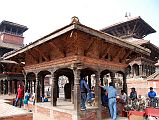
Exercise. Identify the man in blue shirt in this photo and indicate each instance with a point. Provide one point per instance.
(152, 95)
(84, 90)
(112, 93)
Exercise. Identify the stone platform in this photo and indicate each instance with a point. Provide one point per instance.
(45, 111)
(9, 112)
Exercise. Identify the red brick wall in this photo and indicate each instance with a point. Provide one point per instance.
(28, 116)
(154, 84)
(56, 115)
(88, 115)
(18, 40)
(43, 110)
(141, 87)
(61, 115)
(105, 113)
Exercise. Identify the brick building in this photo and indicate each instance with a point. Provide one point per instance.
(11, 39)
(134, 30)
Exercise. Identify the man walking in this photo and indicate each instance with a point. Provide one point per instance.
(84, 90)
(111, 99)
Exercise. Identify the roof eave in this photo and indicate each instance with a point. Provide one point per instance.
(105, 36)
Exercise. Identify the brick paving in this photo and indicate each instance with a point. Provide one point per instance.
(7, 109)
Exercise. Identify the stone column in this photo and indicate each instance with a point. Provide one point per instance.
(140, 70)
(77, 93)
(98, 95)
(132, 71)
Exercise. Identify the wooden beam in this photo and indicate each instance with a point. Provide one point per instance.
(41, 53)
(56, 48)
(31, 56)
(119, 52)
(89, 45)
(126, 55)
(107, 51)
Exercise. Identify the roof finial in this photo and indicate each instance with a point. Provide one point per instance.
(75, 20)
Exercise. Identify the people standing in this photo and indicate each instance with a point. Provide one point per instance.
(20, 94)
(26, 99)
(133, 94)
(112, 93)
(152, 95)
(84, 90)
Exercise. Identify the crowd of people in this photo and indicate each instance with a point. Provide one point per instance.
(23, 98)
(109, 98)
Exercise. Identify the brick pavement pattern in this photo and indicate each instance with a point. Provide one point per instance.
(40, 111)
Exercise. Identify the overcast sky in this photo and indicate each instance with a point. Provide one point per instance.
(45, 16)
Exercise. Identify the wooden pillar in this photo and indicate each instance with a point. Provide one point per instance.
(1, 87)
(53, 89)
(72, 90)
(89, 81)
(6, 82)
(25, 83)
(37, 89)
(42, 85)
(143, 70)
(112, 75)
(5, 86)
(125, 84)
(98, 95)
(10, 87)
(15, 86)
(31, 84)
(34, 85)
(77, 93)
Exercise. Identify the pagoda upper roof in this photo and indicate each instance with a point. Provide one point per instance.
(12, 24)
(134, 27)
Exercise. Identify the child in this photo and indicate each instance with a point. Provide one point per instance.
(26, 99)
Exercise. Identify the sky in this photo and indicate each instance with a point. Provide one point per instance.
(45, 16)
